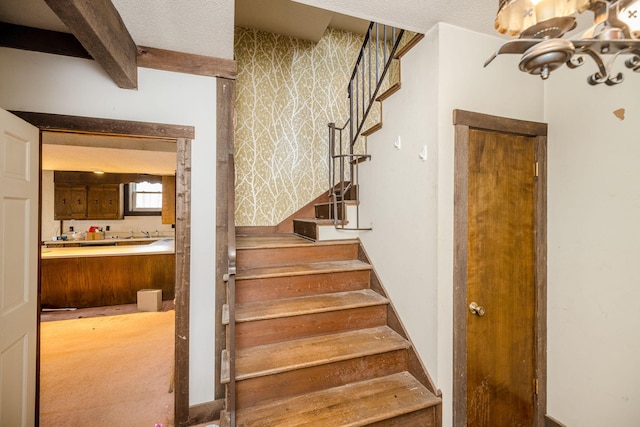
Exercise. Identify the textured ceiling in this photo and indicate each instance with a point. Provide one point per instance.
(205, 27)
(418, 15)
(293, 19)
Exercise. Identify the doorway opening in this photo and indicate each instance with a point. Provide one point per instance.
(499, 284)
(181, 136)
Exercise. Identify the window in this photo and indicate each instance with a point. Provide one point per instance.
(144, 198)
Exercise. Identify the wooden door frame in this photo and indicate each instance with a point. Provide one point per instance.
(463, 121)
(182, 135)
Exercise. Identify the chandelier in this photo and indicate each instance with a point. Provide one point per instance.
(540, 25)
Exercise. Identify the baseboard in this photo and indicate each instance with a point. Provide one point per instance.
(205, 412)
(552, 422)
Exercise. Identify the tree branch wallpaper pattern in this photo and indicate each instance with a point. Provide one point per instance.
(288, 90)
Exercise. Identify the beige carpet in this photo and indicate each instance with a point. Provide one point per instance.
(107, 371)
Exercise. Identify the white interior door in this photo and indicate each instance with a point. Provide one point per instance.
(19, 172)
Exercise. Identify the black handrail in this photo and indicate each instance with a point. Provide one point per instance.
(374, 60)
(361, 100)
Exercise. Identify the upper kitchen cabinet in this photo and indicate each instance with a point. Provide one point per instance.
(168, 199)
(70, 201)
(87, 201)
(103, 201)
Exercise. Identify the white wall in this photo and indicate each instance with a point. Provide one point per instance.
(593, 211)
(39, 82)
(398, 198)
(410, 202)
(594, 247)
(501, 90)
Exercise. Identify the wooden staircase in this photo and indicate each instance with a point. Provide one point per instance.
(322, 226)
(318, 342)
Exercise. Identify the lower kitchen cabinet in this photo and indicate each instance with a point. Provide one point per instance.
(107, 280)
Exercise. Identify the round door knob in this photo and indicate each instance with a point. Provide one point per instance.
(474, 308)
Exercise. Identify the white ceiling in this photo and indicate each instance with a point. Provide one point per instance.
(79, 152)
(205, 27)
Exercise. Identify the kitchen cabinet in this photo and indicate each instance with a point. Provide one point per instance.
(73, 201)
(104, 280)
(168, 199)
(70, 201)
(103, 202)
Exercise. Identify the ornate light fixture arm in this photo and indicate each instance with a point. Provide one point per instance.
(540, 25)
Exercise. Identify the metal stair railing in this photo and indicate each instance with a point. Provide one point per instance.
(230, 278)
(376, 54)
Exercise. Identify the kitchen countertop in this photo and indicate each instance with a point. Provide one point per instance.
(162, 246)
(106, 241)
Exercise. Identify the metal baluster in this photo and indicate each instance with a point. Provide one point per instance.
(369, 70)
(377, 50)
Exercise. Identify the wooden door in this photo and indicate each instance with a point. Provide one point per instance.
(500, 279)
(499, 305)
(19, 183)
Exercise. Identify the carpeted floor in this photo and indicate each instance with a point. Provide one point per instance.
(108, 371)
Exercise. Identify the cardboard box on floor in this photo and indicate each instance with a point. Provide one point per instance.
(149, 299)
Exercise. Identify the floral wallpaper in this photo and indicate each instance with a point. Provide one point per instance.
(287, 91)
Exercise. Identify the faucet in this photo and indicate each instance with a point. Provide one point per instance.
(146, 233)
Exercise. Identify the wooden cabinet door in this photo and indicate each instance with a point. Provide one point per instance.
(103, 202)
(168, 199)
(70, 201)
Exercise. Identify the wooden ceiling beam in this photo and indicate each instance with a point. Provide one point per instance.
(99, 27)
(180, 62)
(38, 40)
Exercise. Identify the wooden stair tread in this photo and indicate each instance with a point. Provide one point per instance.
(297, 354)
(409, 45)
(390, 91)
(274, 241)
(302, 269)
(320, 221)
(346, 202)
(289, 307)
(376, 127)
(356, 404)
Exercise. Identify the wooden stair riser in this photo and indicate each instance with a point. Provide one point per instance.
(326, 211)
(265, 257)
(306, 229)
(297, 382)
(249, 290)
(283, 329)
(427, 417)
